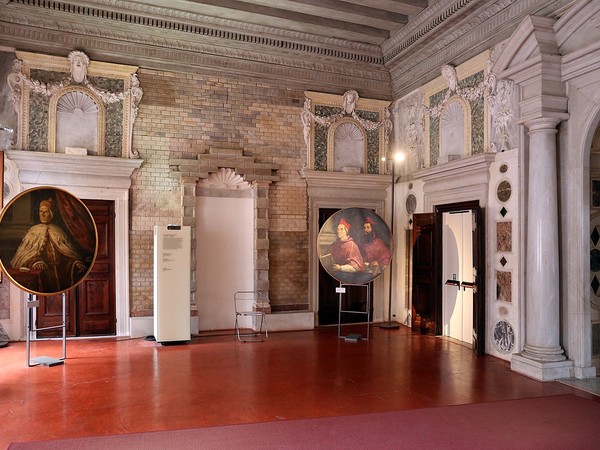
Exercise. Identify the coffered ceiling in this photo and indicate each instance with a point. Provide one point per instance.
(381, 48)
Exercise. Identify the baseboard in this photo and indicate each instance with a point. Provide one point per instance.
(144, 326)
(291, 321)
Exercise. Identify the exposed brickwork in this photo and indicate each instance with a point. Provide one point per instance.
(288, 258)
(191, 117)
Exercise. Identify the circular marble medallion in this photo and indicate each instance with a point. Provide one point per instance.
(504, 191)
(411, 203)
(504, 336)
(503, 168)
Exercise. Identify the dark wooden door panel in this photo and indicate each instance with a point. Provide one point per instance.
(97, 293)
(49, 314)
(423, 298)
(479, 292)
(91, 305)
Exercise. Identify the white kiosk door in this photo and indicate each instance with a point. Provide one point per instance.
(172, 265)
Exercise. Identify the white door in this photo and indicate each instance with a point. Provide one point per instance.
(457, 267)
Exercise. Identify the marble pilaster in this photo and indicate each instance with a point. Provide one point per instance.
(531, 58)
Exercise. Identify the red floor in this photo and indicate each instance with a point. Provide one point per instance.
(112, 386)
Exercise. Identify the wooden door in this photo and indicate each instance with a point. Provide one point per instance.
(91, 305)
(424, 273)
(427, 257)
(479, 288)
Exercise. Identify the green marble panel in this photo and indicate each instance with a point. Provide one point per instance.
(38, 122)
(477, 114)
(434, 129)
(39, 112)
(320, 148)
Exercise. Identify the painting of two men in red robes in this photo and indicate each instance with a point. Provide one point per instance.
(355, 246)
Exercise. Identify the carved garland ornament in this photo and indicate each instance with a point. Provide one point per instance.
(350, 99)
(498, 94)
(79, 63)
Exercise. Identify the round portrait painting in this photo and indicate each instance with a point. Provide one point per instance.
(355, 246)
(48, 240)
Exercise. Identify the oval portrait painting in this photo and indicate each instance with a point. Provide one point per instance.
(355, 246)
(48, 240)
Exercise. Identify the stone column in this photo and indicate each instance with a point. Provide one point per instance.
(542, 269)
(542, 356)
(531, 58)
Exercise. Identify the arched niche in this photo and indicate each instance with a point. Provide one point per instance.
(455, 130)
(348, 140)
(76, 120)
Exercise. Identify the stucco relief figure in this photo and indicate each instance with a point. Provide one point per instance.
(350, 99)
(79, 65)
(501, 114)
(349, 248)
(55, 253)
(306, 117)
(449, 73)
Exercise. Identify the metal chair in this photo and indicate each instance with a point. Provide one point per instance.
(247, 304)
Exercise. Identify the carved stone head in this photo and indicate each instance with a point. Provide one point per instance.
(79, 64)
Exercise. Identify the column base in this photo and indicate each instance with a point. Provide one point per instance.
(541, 370)
(584, 373)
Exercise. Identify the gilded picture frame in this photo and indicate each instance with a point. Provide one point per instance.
(1, 189)
(355, 246)
(48, 240)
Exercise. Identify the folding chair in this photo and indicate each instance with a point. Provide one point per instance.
(247, 305)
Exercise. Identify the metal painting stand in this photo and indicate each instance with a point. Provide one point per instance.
(342, 290)
(45, 360)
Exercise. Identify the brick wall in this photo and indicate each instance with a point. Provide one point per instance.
(183, 115)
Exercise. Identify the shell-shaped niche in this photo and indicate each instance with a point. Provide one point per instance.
(226, 178)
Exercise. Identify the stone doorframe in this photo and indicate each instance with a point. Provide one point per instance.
(86, 177)
(343, 190)
(227, 161)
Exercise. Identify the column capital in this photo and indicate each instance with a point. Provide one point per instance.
(547, 123)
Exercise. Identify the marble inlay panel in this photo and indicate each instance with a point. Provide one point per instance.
(372, 141)
(434, 129)
(596, 339)
(504, 236)
(477, 114)
(39, 112)
(503, 286)
(504, 336)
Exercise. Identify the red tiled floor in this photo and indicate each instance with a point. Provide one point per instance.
(114, 386)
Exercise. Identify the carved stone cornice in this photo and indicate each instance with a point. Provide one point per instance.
(371, 81)
(483, 24)
(182, 26)
(449, 31)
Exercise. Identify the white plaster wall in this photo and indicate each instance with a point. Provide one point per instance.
(224, 258)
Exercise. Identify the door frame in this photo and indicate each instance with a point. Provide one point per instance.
(339, 190)
(479, 262)
(39, 169)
